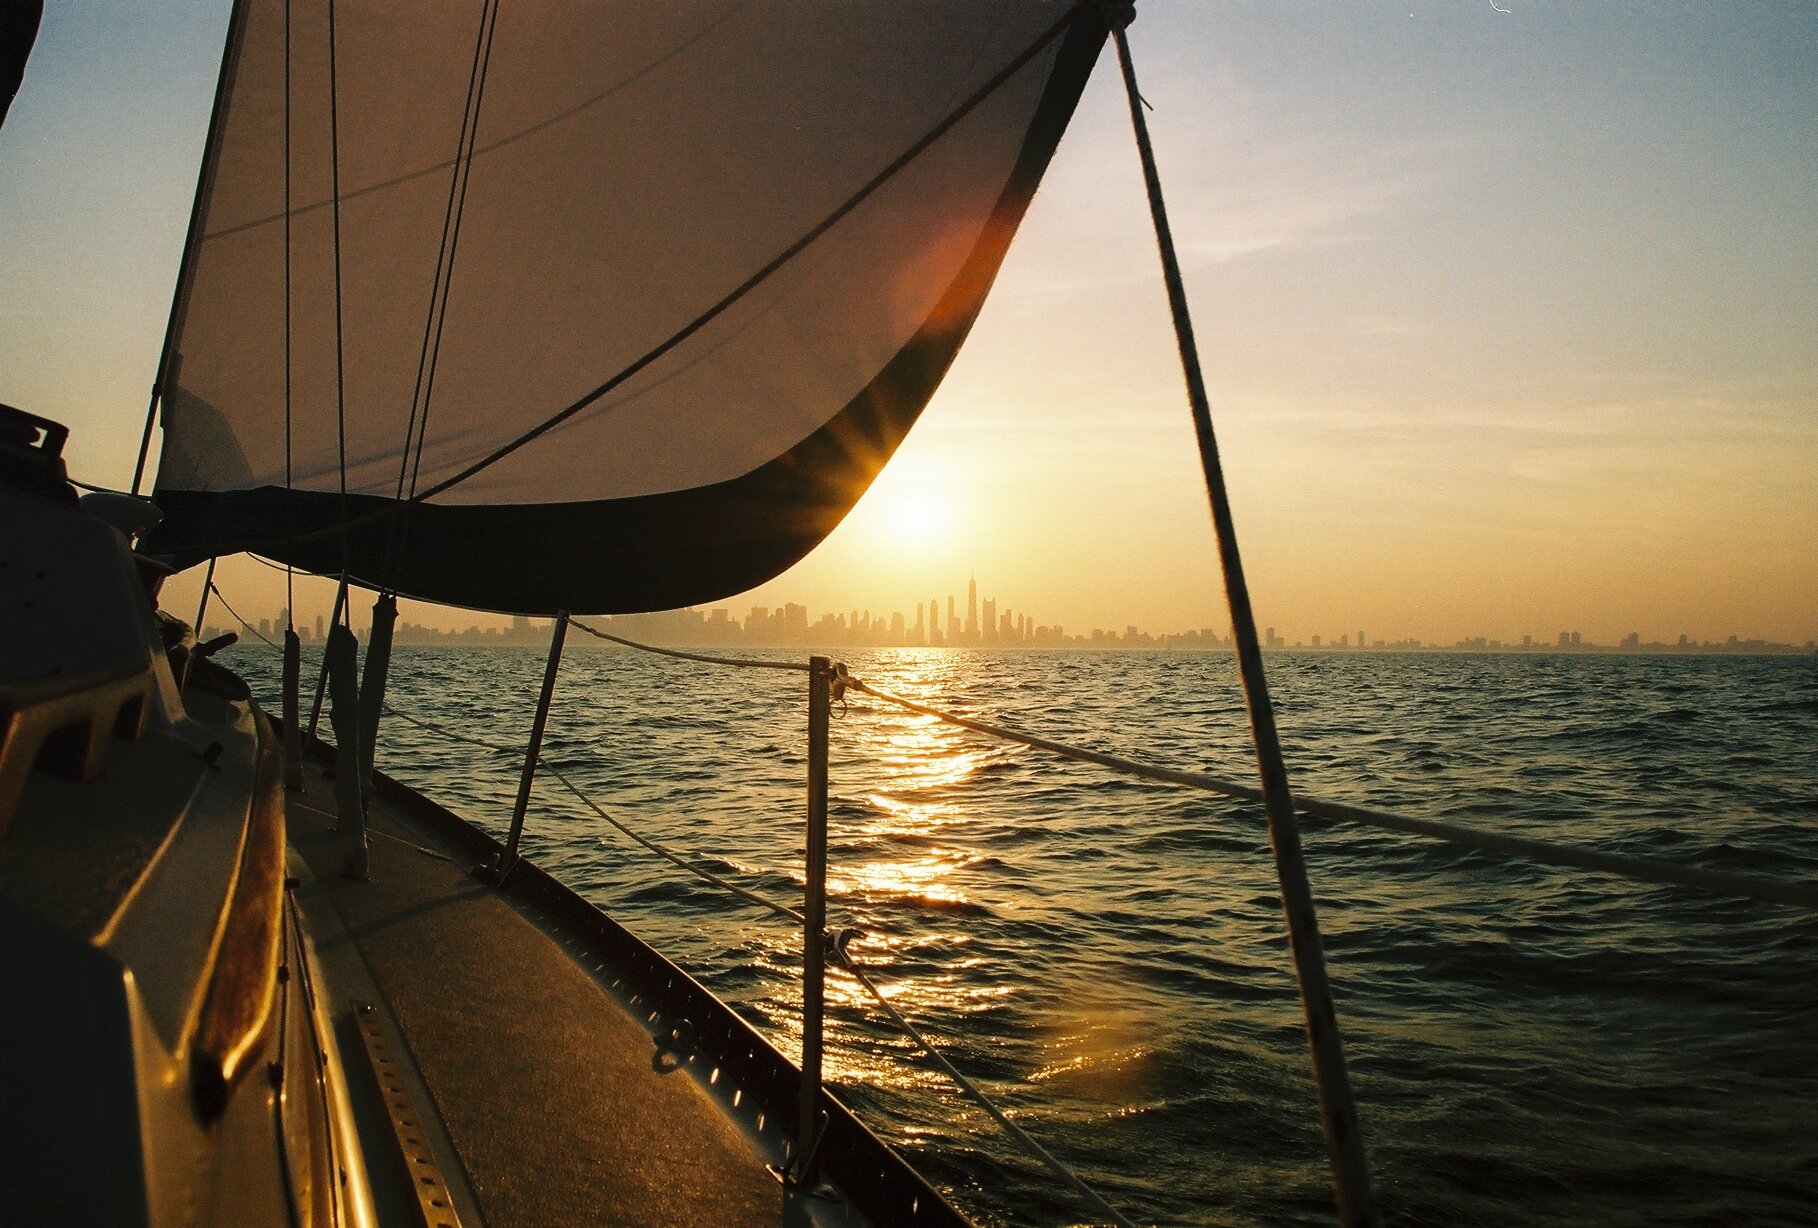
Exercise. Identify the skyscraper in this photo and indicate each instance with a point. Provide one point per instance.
(972, 610)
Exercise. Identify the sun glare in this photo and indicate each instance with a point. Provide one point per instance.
(913, 521)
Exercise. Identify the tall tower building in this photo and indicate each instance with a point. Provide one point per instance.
(972, 610)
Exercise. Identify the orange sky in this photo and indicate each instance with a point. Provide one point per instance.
(1510, 323)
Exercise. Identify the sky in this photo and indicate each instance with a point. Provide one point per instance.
(1509, 313)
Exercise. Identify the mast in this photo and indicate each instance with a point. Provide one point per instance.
(211, 154)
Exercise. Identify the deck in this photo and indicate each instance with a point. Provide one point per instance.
(560, 1102)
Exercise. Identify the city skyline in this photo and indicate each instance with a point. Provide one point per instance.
(981, 625)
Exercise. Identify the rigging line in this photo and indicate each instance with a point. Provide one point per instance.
(454, 244)
(1337, 1110)
(290, 581)
(547, 766)
(241, 618)
(716, 310)
(741, 662)
(412, 457)
(1527, 848)
(334, 174)
(843, 960)
(659, 850)
(436, 297)
(1644, 869)
(653, 846)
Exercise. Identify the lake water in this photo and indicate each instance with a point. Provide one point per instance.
(1107, 957)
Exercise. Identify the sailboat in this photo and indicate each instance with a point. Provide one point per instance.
(551, 311)
(548, 314)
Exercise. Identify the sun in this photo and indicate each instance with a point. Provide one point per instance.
(911, 519)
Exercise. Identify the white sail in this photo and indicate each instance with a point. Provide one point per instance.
(632, 167)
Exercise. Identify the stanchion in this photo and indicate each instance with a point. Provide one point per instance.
(344, 715)
(550, 668)
(372, 682)
(814, 925)
(293, 707)
(334, 620)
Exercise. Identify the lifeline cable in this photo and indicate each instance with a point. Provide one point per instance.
(1528, 848)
